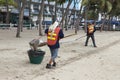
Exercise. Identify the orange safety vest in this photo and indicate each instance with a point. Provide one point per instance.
(52, 37)
(90, 28)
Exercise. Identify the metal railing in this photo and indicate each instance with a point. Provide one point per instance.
(9, 26)
(5, 26)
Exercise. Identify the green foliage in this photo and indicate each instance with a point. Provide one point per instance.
(9, 2)
(84, 2)
(106, 6)
(12, 2)
(1, 2)
(101, 6)
(92, 15)
(109, 6)
(116, 8)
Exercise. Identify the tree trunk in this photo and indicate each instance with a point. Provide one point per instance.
(77, 24)
(102, 26)
(109, 24)
(30, 21)
(62, 15)
(67, 19)
(7, 12)
(55, 17)
(51, 12)
(40, 18)
(21, 14)
(66, 12)
(66, 23)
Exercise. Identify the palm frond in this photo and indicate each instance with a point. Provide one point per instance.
(84, 2)
(109, 6)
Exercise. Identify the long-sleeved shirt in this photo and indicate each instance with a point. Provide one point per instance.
(60, 35)
(88, 34)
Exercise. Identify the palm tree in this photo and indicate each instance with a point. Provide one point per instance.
(30, 20)
(78, 19)
(40, 18)
(67, 18)
(102, 6)
(21, 14)
(41, 14)
(66, 12)
(62, 2)
(115, 12)
(86, 5)
(105, 10)
(53, 12)
(116, 8)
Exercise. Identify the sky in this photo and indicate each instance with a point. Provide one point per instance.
(77, 5)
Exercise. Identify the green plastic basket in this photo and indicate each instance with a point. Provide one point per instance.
(36, 57)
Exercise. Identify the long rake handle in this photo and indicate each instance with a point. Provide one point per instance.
(45, 43)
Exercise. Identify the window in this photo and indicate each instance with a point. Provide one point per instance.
(35, 6)
(36, 0)
(36, 11)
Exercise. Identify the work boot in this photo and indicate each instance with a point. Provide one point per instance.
(54, 64)
(95, 46)
(48, 66)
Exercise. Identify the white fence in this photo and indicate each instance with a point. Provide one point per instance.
(9, 26)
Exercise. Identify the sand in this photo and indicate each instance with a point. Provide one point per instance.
(74, 62)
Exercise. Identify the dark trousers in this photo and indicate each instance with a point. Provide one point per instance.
(93, 40)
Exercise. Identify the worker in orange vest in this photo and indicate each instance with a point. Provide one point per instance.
(90, 33)
(54, 34)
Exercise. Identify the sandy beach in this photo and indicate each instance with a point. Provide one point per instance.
(74, 62)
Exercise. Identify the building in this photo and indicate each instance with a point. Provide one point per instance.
(32, 8)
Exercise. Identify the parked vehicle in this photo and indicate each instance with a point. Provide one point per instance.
(98, 26)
